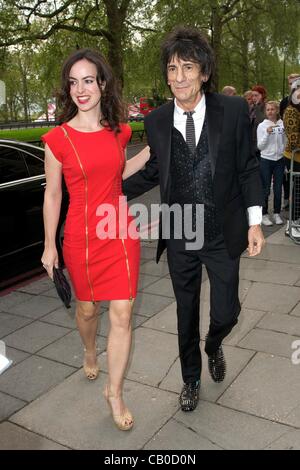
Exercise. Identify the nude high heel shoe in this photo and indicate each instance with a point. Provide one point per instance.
(124, 421)
(91, 372)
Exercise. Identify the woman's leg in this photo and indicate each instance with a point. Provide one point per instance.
(87, 322)
(278, 173)
(266, 176)
(118, 350)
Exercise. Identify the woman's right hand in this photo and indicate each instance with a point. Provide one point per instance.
(50, 259)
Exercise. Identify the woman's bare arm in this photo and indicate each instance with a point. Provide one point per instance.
(136, 163)
(51, 209)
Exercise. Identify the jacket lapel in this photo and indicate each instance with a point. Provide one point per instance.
(214, 113)
(164, 134)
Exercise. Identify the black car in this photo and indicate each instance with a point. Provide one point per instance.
(22, 186)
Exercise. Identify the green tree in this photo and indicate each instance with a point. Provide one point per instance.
(39, 20)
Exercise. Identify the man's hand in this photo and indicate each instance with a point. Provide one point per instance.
(256, 240)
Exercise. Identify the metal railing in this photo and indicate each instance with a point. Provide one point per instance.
(27, 125)
(294, 212)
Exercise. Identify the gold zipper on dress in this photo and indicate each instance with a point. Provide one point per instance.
(123, 243)
(128, 271)
(86, 216)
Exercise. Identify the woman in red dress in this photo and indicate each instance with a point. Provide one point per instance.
(100, 252)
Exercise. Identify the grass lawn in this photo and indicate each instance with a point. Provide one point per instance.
(34, 135)
(24, 135)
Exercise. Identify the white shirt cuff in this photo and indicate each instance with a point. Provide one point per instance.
(254, 215)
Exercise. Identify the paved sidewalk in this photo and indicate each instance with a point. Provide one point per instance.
(47, 403)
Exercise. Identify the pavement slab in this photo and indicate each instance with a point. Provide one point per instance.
(33, 377)
(279, 238)
(162, 287)
(61, 317)
(150, 304)
(285, 254)
(165, 320)
(16, 438)
(160, 269)
(8, 406)
(280, 323)
(269, 271)
(272, 342)
(75, 414)
(146, 280)
(13, 299)
(229, 429)
(69, 349)
(271, 298)
(33, 337)
(148, 252)
(175, 435)
(296, 310)
(10, 323)
(289, 441)
(35, 307)
(248, 319)
(16, 355)
(38, 286)
(268, 387)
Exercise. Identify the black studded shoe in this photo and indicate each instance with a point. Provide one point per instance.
(217, 365)
(189, 396)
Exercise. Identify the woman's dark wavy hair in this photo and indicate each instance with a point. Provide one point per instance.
(189, 44)
(112, 107)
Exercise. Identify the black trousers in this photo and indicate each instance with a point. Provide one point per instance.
(186, 272)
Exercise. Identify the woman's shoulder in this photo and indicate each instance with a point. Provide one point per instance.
(125, 128)
(54, 133)
(264, 123)
(125, 133)
(55, 141)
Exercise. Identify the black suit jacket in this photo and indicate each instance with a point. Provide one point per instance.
(235, 169)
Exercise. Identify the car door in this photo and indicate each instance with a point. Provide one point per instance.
(34, 199)
(13, 186)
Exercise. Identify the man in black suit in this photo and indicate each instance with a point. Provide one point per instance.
(201, 155)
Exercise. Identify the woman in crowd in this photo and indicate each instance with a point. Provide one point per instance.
(271, 143)
(257, 114)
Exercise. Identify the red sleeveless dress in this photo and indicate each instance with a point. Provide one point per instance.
(101, 244)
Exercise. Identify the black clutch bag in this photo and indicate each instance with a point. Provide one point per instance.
(62, 286)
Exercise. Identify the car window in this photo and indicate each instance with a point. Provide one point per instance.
(34, 164)
(12, 166)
